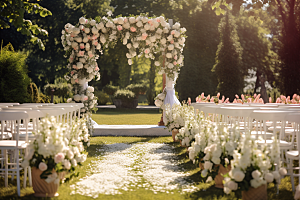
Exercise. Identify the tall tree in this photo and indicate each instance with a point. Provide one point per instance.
(12, 13)
(199, 53)
(228, 67)
(288, 12)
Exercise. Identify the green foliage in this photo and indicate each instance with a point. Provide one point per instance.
(137, 89)
(12, 12)
(124, 95)
(14, 79)
(103, 98)
(110, 89)
(60, 88)
(43, 98)
(33, 93)
(228, 67)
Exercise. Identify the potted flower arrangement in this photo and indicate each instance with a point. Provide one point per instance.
(252, 168)
(219, 152)
(55, 151)
(125, 99)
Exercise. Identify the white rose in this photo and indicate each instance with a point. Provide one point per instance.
(177, 34)
(269, 177)
(102, 39)
(282, 171)
(255, 183)
(82, 20)
(90, 89)
(79, 65)
(131, 20)
(256, 174)
(25, 163)
(93, 22)
(163, 41)
(94, 30)
(121, 20)
(152, 38)
(239, 176)
(171, 47)
(158, 103)
(169, 55)
(100, 25)
(276, 174)
(77, 97)
(227, 190)
(179, 61)
(139, 24)
(81, 60)
(85, 40)
(208, 165)
(87, 30)
(204, 173)
(170, 66)
(98, 46)
(129, 45)
(129, 61)
(78, 39)
(70, 154)
(67, 164)
(232, 185)
(43, 166)
(191, 153)
(126, 25)
(216, 160)
(74, 162)
(157, 63)
(124, 41)
(135, 45)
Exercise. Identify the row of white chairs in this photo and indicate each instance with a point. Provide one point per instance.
(18, 122)
(264, 120)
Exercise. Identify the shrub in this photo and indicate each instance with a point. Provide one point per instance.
(61, 89)
(103, 98)
(14, 79)
(137, 89)
(110, 89)
(43, 98)
(124, 95)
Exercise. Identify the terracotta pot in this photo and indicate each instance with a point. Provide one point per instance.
(201, 165)
(174, 132)
(41, 187)
(259, 193)
(219, 178)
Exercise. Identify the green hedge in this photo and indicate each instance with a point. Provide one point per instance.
(14, 79)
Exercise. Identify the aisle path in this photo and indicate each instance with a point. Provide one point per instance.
(127, 167)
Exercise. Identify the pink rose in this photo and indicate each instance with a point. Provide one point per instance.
(132, 29)
(95, 42)
(150, 21)
(125, 20)
(158, 20)
(43, 166)
(88, 37)
(74, 66)
(91, 55)
(270, 100)
(94, 37)
(85, 98)
(119, 27)
(59, 157)
(81, 53)
(218, 95)
(96, 68)
(72, 72)
(174, 63)
(173, 32)
(81, 46)
(144, 36)
(147, 50)
(175, 57)
(234, 101)
(243, 98)
(172, 41)
(237, 96)
(76, 81)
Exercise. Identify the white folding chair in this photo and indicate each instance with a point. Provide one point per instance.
(12, 165)
(294, 154)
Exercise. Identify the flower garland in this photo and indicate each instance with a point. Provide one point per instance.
(148, 35)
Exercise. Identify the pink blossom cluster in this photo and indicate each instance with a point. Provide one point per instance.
(213, 99)
(287, 100)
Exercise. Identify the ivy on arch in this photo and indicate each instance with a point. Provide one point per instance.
(84, 42)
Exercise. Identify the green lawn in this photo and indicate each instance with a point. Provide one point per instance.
(127, 116)
(116, 116)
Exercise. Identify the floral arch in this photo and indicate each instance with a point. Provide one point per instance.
(140, 34)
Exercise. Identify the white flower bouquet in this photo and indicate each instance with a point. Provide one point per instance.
(57, 148)
(159, 99)
(252, 166)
